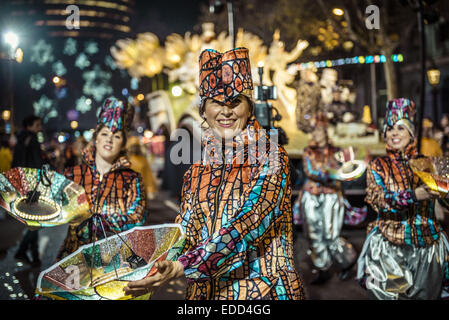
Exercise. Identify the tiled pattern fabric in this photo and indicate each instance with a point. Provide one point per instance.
(115, 115)
(316, 163)
(238, 224)
(401, 218)
(119, 198)
(224, 76)
(400, 111)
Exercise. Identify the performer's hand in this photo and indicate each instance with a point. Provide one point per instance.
(166, 271)
(425, 193)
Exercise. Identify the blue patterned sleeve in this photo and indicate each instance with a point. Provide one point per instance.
(225, 250)
(314, 172)
(381, 198)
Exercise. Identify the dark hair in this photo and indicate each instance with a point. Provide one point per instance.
(28, 121)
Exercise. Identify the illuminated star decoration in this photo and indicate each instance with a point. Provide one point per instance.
(37, 81)
(82, 61)
(91, 48)
(97, 83)
(70, 47)
(59, 69)
(44, 108)
(42, 53)
(110, 62)
(83, 104)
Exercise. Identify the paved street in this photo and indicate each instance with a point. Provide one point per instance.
(17, 280)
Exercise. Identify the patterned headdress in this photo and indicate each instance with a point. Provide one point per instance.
(401, 111)
(224, 76)
(115, 115)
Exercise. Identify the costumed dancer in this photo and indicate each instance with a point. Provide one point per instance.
(115, 192)
(406, 252)
(323, 207)
(236, 213)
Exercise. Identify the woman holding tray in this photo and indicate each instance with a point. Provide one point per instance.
(406, 253)
(115, 192)
(323, 207)
(236, 202)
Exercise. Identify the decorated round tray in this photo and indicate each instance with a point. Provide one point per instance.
(434, 172)
(351, 170)
(348, 169)
(37, 203)
(100, 270)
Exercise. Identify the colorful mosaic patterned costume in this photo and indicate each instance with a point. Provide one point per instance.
(238, 224)
(323, 207)
(119, 197)
(316, 162)
(224, 76)
(406, 244)
(115, 115)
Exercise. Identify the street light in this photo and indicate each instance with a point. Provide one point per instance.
(434, 76)
(338, 12)
(56, 80)
(74, 124)
(6, 115)
(11, 39)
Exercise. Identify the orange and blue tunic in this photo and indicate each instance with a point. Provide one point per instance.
(119, 198)
(406, 254)
(317, 162)
(238, 223)
(402, 220)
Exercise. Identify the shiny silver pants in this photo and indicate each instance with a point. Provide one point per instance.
(392, 272)
(323, 217)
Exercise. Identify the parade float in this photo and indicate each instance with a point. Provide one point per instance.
(296, 101)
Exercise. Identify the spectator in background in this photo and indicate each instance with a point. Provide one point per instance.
(28, 153)
(5, 154)
(429, 146)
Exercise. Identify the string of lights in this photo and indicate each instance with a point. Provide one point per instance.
(396, 58)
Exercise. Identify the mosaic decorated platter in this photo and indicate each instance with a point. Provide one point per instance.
(434, 172)
(100, 270)
(42, 198)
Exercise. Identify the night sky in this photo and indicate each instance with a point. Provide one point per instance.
(164, 17)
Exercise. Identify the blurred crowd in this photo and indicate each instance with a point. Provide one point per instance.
(69, 153)
(60, 155)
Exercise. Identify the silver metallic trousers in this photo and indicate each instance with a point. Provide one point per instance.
(323, 217)
(392, 272)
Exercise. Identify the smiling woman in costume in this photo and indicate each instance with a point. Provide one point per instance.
(406, 253)
(115, 192)
(236, 207)
(323, 207)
